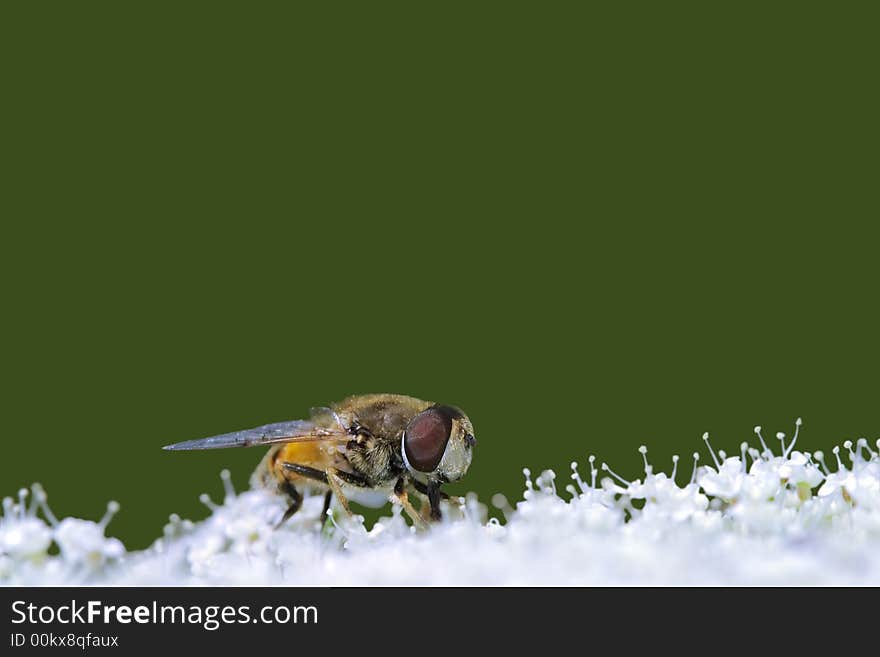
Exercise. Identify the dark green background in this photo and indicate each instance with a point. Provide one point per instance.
(589, 230)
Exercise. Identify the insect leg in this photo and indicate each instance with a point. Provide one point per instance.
(434, 500)
(295, 503)
(432, 509)
(419, 486)
(352, 478)
(335, 482)
(306, 471)
(401, 497)
(333, 478)
(327, 498)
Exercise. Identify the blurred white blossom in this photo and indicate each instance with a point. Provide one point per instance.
(758, 517)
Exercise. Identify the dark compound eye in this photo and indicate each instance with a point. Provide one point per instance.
(426, 437)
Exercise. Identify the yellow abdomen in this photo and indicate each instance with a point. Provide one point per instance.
(319, 455)
(313, 454)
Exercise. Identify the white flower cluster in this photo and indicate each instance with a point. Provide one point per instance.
(756, 518)
(84, 551)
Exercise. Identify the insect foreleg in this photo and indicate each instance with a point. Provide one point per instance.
(420, 487)
(434, 500)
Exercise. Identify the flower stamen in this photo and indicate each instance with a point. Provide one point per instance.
(819, 455)
(797, 427)
(228, 488)
(615, 475)
(643, 450)
(711, 451)
(836, 452)
(112, 510)
(694, 474)
(767, 450)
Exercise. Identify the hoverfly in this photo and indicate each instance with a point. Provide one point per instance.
(370, 449)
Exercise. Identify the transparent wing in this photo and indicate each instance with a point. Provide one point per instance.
(292, 431)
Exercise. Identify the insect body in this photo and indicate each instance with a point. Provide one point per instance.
(367, 448)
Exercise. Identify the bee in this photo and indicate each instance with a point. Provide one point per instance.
(370, 449)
